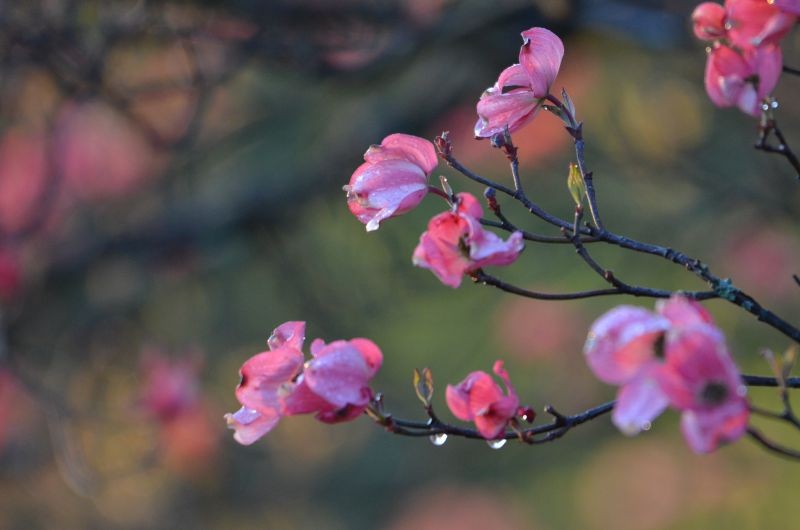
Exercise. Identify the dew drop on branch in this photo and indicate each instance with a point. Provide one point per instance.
(496, 444)
(438, 439)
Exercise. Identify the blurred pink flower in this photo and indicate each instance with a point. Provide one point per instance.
(673, 357)
(700, 379)
(708, 21)
(99, 153)
(334, 384)
(763, 259)
(478, 398)
(10, 274)
(23, 179)
(742, 78)
(520, 89)
(456, 244)
(392, 180)
(170, 386)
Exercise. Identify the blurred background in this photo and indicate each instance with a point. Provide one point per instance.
(170, 191)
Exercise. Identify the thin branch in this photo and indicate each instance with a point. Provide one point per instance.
(790, 70)
(772, 446)
(768, 127)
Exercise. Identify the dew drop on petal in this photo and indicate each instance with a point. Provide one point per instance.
(741, 390)
(438, 439)
(646, 426)
(496, 444)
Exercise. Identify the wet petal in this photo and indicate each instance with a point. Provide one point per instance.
(541, 56)
(639, 402)
(291, 334)
(250, 425)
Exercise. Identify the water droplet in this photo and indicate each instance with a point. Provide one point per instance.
(646, 426)
(525, 417)
(764, 106)
(496, 444)
(438, 439)
(774, 104)
(741, 390)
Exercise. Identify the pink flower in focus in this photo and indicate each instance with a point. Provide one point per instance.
(334, 384)
(708, 21)
(480, 399)
(676, 357)
(263, 376)
(700, 379)
(392, 180)
(755, 22)
(519, 91)
(742, 78)
(456, 244)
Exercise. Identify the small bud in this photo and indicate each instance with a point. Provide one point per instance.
(568, 104)
(789, 360)
(448, 189)
(423, 386)
(575, 184)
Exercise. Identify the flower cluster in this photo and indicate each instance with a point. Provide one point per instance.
(456, 244)
(745, 60)
(480, 399)
(675, 357)
(515, 98)
(334, 384)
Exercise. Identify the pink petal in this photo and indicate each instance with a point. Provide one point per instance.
(457, 398)
(317, 345)
(725, 73)
(541, 56)
(262, 374)
(706, 430)
(440, 250)
(469, 205)
(405, 146)
(250, 425)
(512, 77)
(622, 341)
(696, 357)
(299, 399)
(754, 22)
(385, 189)
(348, 413)
(708, 20)
(768, 66)
(639, 402)
(291, 334)
(483, 393)
(491, 426)
(682, 311)
(339, 374)
(497, 110)
(487, 248)
(370, 353)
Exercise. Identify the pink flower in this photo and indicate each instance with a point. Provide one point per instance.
(673, 357)
(392, 181)
(742, 78)
(700, 379)
(170, 387)
(334, 384)
(519, 91)
(480, 399)
(756, 22)
(708, 21)
(456, 244)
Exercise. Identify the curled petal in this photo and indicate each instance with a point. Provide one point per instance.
(263, 374)
(250, 425)
(487, 248)
(768, 62)
(370, 352)
(498, 110)
(541, 56)
(417, 150)
(683, 312)
(639, 402)
(515, 76)
(622, 341)
(706, 430)
(291, 334)
(469, 205)
(457, 397)
(726, 71)
(756, 22)
(708, 21)
(385, 189)
(339, 374)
